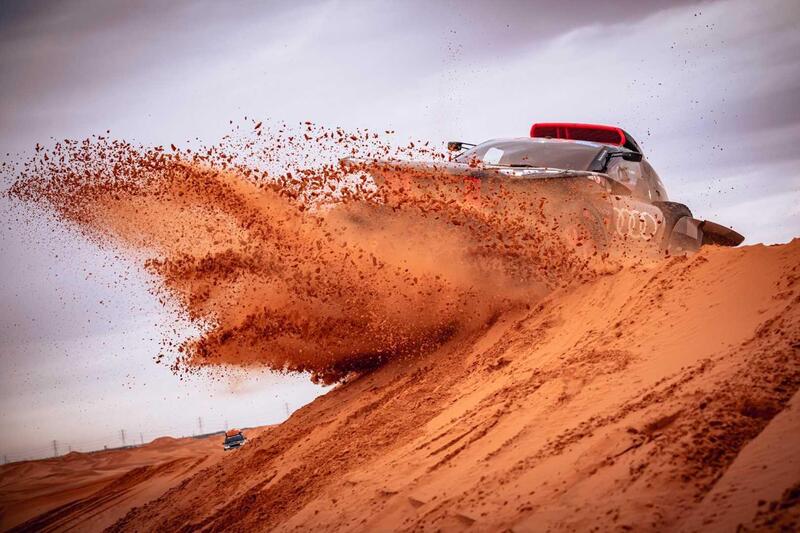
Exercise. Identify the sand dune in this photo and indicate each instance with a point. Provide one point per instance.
(90, 491)
(656, 398)
(661, 397)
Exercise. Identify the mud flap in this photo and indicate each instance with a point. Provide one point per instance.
(689, 234)
(686, 236)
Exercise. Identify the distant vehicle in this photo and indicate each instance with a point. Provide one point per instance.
(614, 193)
(234, 438)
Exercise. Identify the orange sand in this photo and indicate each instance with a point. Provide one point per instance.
(658, 398)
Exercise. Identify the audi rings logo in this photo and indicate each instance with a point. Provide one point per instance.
(636, 224)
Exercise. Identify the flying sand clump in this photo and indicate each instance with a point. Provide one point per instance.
(289, 259)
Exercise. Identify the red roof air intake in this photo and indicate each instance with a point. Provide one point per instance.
(580, 132)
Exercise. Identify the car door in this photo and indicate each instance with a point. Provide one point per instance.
(635, 220)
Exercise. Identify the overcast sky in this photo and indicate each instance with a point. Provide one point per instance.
(710, 89)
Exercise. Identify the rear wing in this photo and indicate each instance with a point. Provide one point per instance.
(585, 132)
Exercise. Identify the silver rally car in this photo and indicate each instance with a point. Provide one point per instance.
(606, 171)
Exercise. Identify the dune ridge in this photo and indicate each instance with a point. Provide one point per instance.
(661, 397)
(622, 403)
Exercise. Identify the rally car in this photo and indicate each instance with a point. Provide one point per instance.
(234, 438)
(620, 194)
